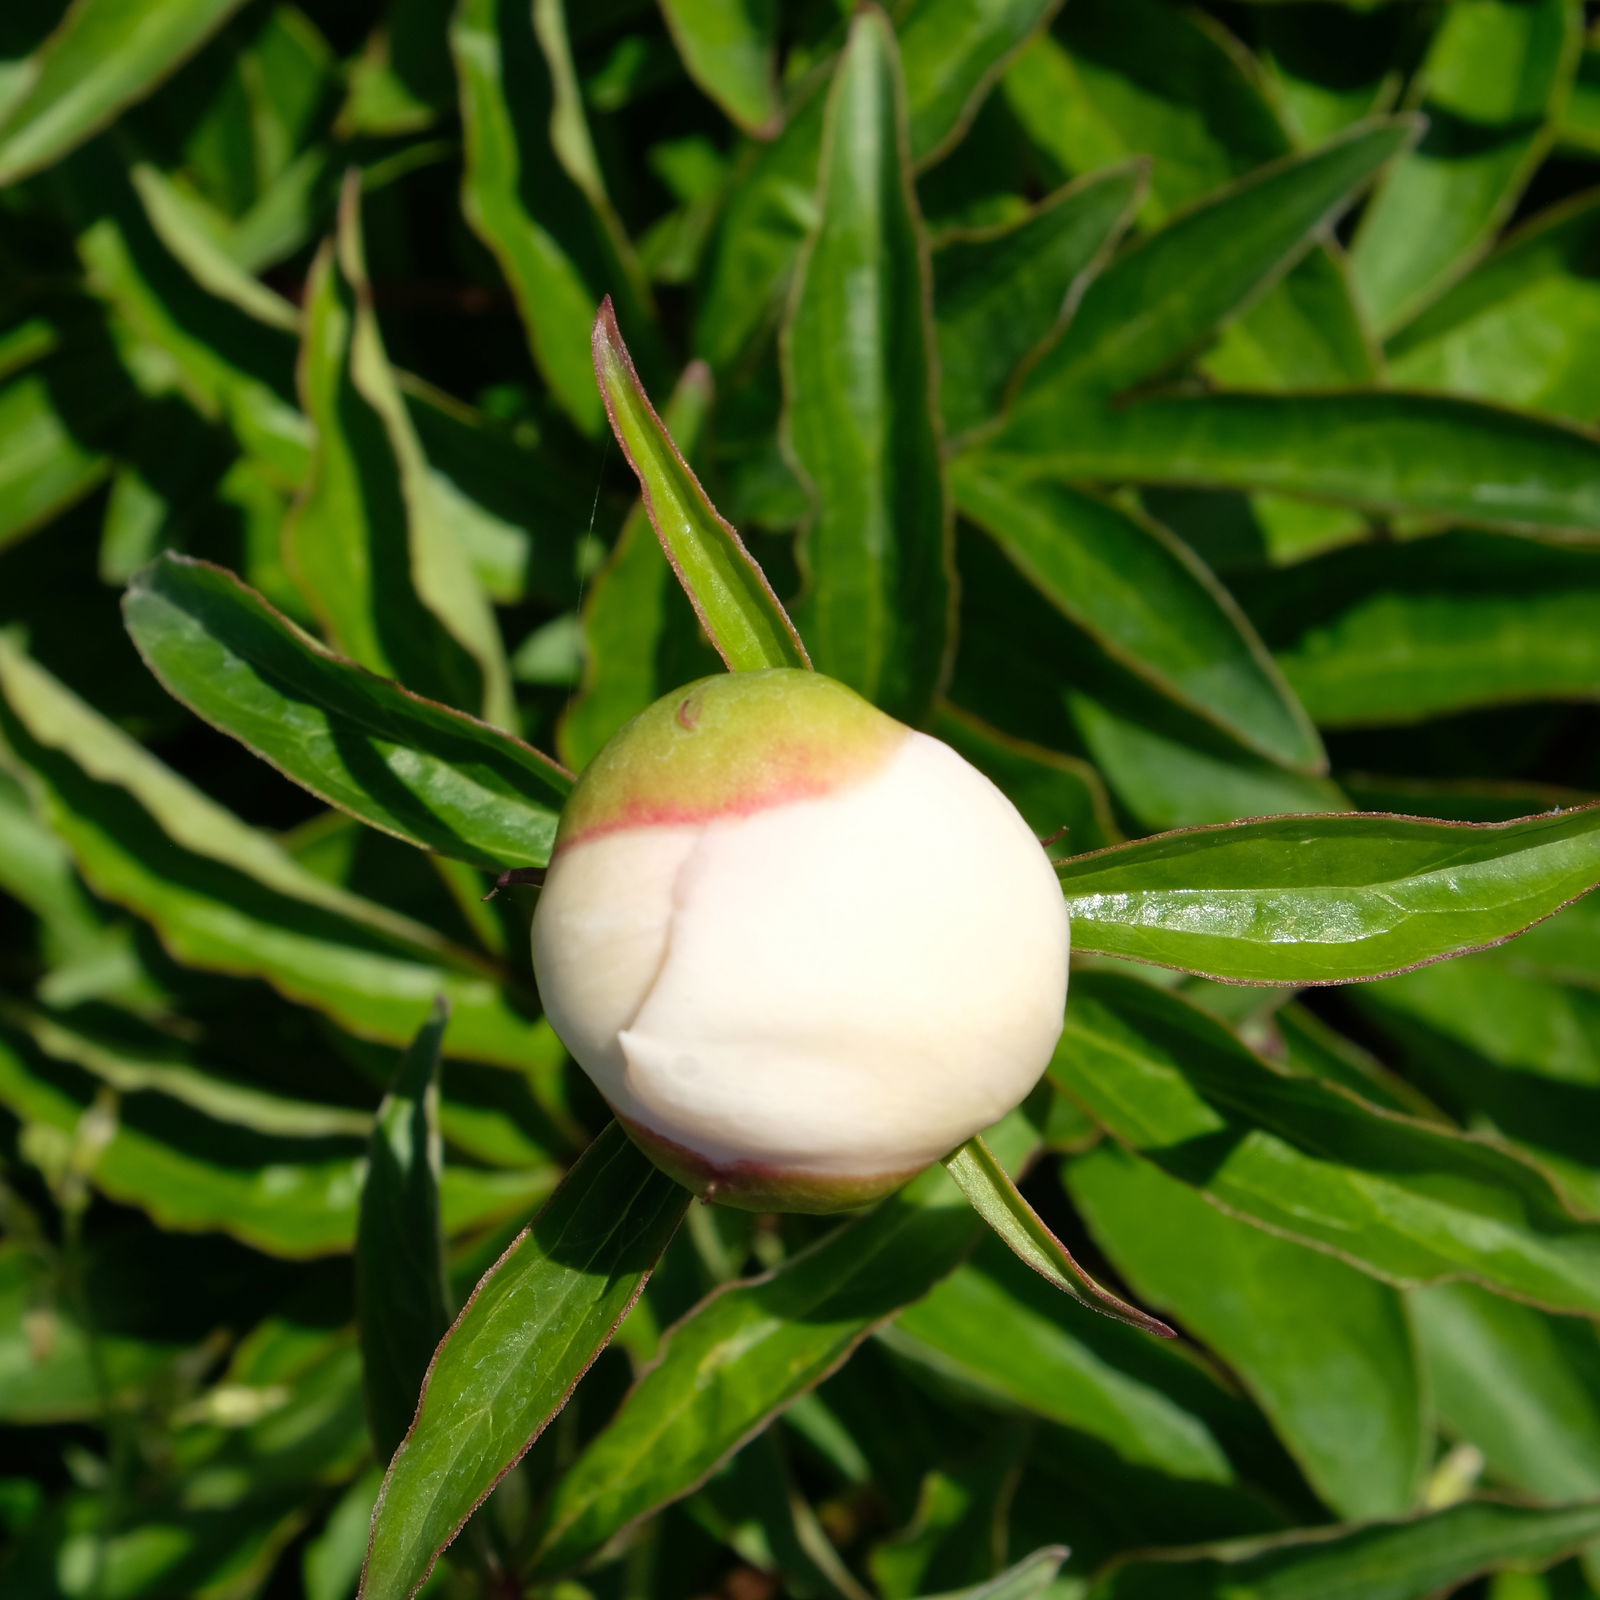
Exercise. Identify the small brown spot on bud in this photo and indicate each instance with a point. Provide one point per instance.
(689, 714)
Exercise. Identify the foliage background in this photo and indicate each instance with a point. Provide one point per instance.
(1256, 412)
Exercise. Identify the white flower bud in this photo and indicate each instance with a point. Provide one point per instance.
(802, 950)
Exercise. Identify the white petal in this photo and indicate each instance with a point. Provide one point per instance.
(853, 984)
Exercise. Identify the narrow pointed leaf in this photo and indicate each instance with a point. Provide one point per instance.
(1383, 451)
(952, 51)
(1495, 75)
(1169, 293)
(730, 49)
(369, 542)
(532, 1328)
(224, 897)
(1414, 1560)
(750, 1350)
(1333, 899)
(1148, 600)
(556, 255)
(999, 294)
(1030, 1576)
(639, 640)
(1408, 1201)
(858, 366)
(400, 1293)
(434, 777)
(997, 1200)
(103, 55)
(729, 592)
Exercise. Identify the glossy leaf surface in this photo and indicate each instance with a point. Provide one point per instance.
(532, 1327)
(431, 776)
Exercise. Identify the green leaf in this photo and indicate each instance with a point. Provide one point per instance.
(103, 55)
(748, 1351)
(1387, 452)
(434, 777)
(553, 249)
(1019, 1227)
(1094, 92)
(1326, 1350)
(1412, 1560)
(369, 541)
(1030, 1577)
(1000, 293)
(45, 414)
(1170, 774)
(511, 1361)
(400, 1303)
(1046, 1367)
(1332, 899)
(1148, 601)
(226, 898)
(858, 383)
(1521, 1385)
(1437, 626)
(729, 48)
(638, 640)
(730, 593)
(1488, 335)
(1329, 67)
(952, 51)
(1494, 75)
(1173, 289)
(1405, 1200)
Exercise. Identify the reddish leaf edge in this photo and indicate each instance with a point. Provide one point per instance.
(607, 339)
(555, 1411)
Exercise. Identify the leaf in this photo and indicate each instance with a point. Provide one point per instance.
(434, 777)
(1328, 68)
(1327, 1351)
(952, 51)
(1494, 73)
(729, 48)
(103, 56)
(1031, 1576)
(1048, 1367)
(858, 367)
(1000, 293)
(1437, 626)
(1411, 1560)
(748, 1351)
(225, 898)
(49, 465)
(730, 593)
(1174, 288)
(1405, 1200)
(1148, 601)
(639, 642)
(1170, 774)
(400, 1294)
(529, 1332)
(1094, 92)
(368, 541)
(556, 256)
(996, 1199)
(1522, 1386)
(1357, 896)
(1384, 451)
(1488, 335)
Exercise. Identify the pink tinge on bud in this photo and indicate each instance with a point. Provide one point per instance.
(800, 992)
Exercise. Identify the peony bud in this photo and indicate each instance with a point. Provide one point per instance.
(802, 950)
